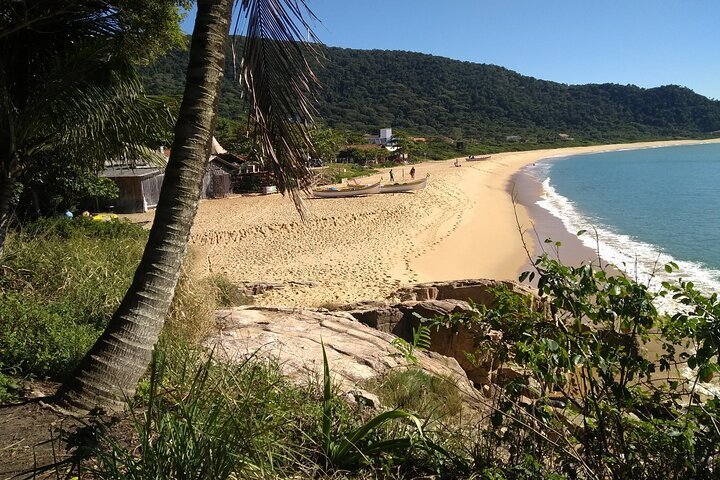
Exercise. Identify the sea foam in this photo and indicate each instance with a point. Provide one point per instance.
(640, 260)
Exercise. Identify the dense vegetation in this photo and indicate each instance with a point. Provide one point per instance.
(575, 394)
(434, 96)
(60, 281)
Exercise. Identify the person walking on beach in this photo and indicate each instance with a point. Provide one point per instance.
(392, 177)
(412, 173)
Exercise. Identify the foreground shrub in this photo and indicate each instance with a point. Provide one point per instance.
(220, 421)
(62, 279)
(609, 387)
(60, 282)
(42, 339)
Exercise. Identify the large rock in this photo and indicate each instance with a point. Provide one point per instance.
(401, 314)
(449, 340)
(356, 353)
(479, 290)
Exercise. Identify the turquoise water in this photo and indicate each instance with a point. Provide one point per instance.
(649, 207)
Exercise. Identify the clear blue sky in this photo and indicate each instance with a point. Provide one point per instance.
(642, 42)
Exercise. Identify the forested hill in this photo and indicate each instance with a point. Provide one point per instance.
(428, 95)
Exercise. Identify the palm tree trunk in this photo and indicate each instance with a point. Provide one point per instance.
(110, 371)
(7, 186)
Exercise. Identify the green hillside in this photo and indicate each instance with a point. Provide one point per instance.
(427, 95)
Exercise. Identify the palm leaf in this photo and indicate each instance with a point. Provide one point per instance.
(280, 84)
(75, 95)
(327, 404)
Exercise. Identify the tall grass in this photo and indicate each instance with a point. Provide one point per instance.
(78, 264)
(208, 420)
(203, 419)
(62, 279)
(412, 389)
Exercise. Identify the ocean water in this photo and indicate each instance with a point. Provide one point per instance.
(648, 206)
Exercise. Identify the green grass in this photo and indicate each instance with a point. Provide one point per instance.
(335, 172)
(61, 281)
(82, 265)
(417, 391)
(249, 421)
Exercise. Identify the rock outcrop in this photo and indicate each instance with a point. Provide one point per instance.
(403, 311)
(293, 338)
(479, 290)
(358, 337)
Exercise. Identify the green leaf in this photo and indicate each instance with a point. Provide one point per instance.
(356, 436)
(327, 403)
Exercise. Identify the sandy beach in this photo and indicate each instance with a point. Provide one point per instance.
(463, 225)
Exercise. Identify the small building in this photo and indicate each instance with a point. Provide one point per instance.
(139, 187)
(385, 138)
(218, 179)
(222, 172)
(513, 138)
(565, 137)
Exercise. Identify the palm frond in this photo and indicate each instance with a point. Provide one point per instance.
(68, 85)
(93, 108)
(280, 84)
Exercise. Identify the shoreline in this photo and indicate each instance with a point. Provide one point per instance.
(573, 250)
(497, 231)
(462, 225)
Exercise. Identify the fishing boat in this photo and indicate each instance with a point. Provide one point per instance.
(405, 186)
(347, 191)
(473, 158)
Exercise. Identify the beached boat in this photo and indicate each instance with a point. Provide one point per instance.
(473, 158)
(405, 186)
(347, 191)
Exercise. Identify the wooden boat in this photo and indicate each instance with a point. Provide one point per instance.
(404, 187)
(347, 191)
(477, 159)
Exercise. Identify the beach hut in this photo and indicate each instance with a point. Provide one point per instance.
(219, 176)
(139, 187)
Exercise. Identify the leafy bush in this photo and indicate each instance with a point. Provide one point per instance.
(40, 338)
(62, 279)
(84, 264)
(605, 407)
(8, 388)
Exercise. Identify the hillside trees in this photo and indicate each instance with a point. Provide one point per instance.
(277, 78)
(433, 96)
(327, 142)
(68, 87)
